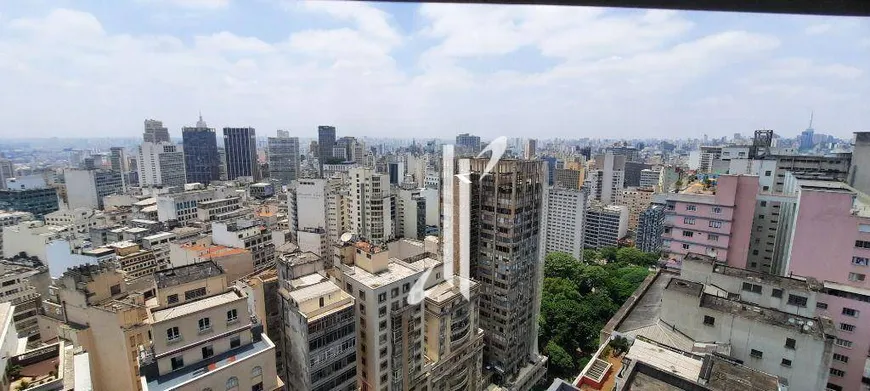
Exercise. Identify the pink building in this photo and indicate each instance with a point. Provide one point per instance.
(828, 238)
(718, 225)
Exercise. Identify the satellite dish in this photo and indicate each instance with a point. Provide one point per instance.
(810, 323)
(346, 237)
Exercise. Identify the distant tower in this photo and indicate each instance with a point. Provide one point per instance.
(240, 145)
(200, 153)
(806, 139)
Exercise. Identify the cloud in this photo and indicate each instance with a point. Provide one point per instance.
(191, 4)
(447, 68)
(818, 29)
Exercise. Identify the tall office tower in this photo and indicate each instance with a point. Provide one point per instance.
(605, 225)
(568, 178)
(29, 194)
(529, 149)
(7, 170)
(636, 200)
(318, 327)
(118, 159)
(564, 221)
(325, 144)
(222, 160)
(397, 172)
(650, 227)
(607, 180)
(859, 171)
(467, 144)
(410, 213)
(631, 153)
(204, 335)
(240, 145)
(155, 132)
(806, 138)
(370, 205)
(506, 214)
(161, 164)
(86, 188)
(201, 158)
(283, 158)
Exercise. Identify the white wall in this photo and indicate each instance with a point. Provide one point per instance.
(81, 191)
(311, 203)
(433, 211)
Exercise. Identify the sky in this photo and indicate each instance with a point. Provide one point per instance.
(96, 68)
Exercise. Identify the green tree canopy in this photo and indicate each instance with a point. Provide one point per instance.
(560, 362)
(563, 265)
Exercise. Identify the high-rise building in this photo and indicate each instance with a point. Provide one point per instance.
(29, 194)
(86, 188)
(506, 242)
(318, 330)
(24, 284)
(370, 205)
(718, 225)
(649, 179)
(240, 145)
(708, 158)
(222, 160)
(632, 173)
(201, 159)
(859, 171)
(564, 221)
(118, 159)
(283, 158)
(631, 154)
(806, 139)
(325, 144)
(161, 164)
(650, 227)
(7, 170)
(410, 213)
(530, 148)
(636, 200)
(155, 132)
(204, 336)
(606, 181)
(604, 225)
(569, 178)
(396, 170)
(467, 144)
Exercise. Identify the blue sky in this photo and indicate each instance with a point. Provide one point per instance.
(99, 68)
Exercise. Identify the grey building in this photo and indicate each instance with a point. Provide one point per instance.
(506, 219)
(633, 172)
(650, 228)
(568, 178)
(467, 144)
(604, 225)
(38, 200)
(117, 158)
(283, 158)
(155, 132)
(201, 158)
(859, 170)
(240, 145)
(564, 221)
(631, 153)
(325, 144)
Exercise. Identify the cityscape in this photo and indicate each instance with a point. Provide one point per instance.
(429, 228)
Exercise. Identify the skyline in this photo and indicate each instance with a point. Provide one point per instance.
(410, 70)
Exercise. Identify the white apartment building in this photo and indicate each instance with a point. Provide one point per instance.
(86, 188)
(564, 224)
(182, 207)
(410, 213)
(607, 180)
(161, 164)
(649, 179)
(80, 219)
(369, 205)
(605, 225)
(208, 339)
(8, 219)
(307, 204)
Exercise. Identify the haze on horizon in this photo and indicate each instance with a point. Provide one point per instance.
(98, 69)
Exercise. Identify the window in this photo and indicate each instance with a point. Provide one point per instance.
(717, 209)
(776, 292)
(172, 334)
(841, 358)
(204, 324)
(394, 293)
(790, 343)
(755, 353)
(685, 246)
(767, 173)
(689, 220)
(857, 277)
(796, 300)
(235, 342)
(382, 311)
(709, 320)
(713, 237)
(844, 343)
(256, 374)
(822, 306)
(860, 261)
(851, 312)
(862, 244)
(207, 351)
(194, 293)
(115, 289)
(715, 224)
(751, 287)
(172, 299)
(691, 207)
(833, 387)
(233, 384)
(847, 327)
(232, 315)
(785, 362)
(362, 295)
(688, 234)
(177, 362)
(382, 297)
(838, 372)
(321, 302)
(763, 203)
(765, 188)
(761, 217)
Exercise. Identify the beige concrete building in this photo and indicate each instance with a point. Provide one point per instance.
(134, 260)
(636, 200)
(23, 286)
(236, 262)
(569, 178)
(204, 336)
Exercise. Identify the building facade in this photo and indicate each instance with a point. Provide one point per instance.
(201, 159)
(283, 159)
(604, 225)
(650, 228)
(564, 226)
(161, 164)
(240, 145)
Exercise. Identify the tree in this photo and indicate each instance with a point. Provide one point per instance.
(559, 264)
(590, 255)
(608, 253)
(620, 345)
(630, 255)
(559, 360)
(592, 277)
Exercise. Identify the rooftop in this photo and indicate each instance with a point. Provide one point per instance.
(693, 198)
(685, 287)
(187, 273)
(679, 363)
(646, 310)
(175, 379)
(446, 291)
(728, 376)
(396, 271)
(322, 288)
(159, 236)
(762, 314)
(299, 258)
(195, 306)
(214, 250)
(861, 205)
